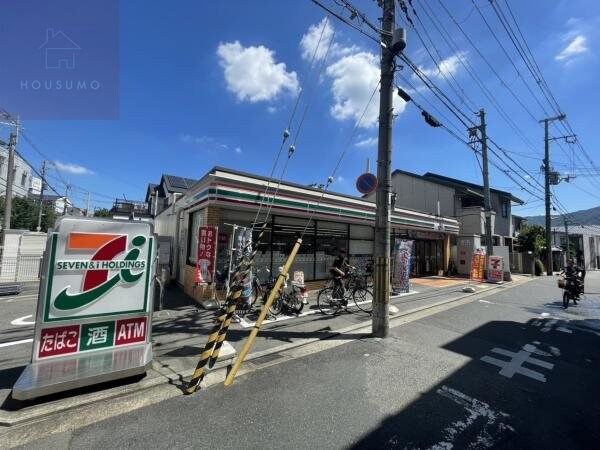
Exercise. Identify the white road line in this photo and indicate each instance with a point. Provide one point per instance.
(485, 301)
(21, 297)
(8, 344)
(22, 321)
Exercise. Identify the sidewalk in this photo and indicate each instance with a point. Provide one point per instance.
(180, 332)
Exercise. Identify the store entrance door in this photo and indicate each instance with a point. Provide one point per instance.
(427, 258)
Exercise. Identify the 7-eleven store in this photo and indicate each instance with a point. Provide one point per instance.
(224, 197)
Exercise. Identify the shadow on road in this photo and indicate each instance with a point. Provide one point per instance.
(532, 385)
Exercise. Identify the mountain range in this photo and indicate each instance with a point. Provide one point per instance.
(584, 217)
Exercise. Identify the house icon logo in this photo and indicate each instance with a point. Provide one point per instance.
(60, 50)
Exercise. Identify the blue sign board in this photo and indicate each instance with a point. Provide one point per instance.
(366, 183)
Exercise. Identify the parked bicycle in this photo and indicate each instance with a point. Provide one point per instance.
(290, 300)
(331, 299)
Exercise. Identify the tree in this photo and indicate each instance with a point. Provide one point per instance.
(24, 214)
(532, 239)
(102, 212)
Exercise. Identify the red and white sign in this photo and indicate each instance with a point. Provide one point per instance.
(58, 341)
(496, 269)
(129, 331)
(207, 254)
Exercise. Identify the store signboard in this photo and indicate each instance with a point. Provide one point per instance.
(207, 254)
(401, 265)
(95, 296)
(496, 269)
(478, 265)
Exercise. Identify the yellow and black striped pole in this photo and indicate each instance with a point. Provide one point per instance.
(218, 333)
(263, 314)
(231, 308)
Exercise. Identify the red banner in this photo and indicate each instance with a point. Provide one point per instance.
(478, 265)
(207, 254)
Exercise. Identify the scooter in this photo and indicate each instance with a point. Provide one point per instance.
(572, 286)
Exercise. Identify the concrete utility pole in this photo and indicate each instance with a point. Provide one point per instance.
(487, 200)
(567, 234)
(43, 173)
(10, 177)
(87, 207)
(549, 268)
(67, 189)
(381, 294)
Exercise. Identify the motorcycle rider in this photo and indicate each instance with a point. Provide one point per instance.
(572, 276)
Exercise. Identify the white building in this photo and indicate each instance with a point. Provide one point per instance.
(23, 180)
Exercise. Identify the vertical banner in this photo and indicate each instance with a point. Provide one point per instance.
(242, 240)
(401, 268)
(496, 269)
(207, 254)
(478, 265)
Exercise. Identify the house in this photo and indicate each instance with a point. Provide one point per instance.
(59, 50)
(60, 203)
(131, 210)
(584, 245)
(445, 196)
(24, 180)
(160, 196)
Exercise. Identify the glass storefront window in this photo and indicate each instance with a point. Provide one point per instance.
(195, 219)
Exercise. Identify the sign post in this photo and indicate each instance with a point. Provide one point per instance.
(94, 312)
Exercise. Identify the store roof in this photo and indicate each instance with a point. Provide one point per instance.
(470, 187)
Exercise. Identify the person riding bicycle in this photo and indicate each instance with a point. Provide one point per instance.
(338, 271)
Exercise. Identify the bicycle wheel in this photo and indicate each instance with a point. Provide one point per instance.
(257, 293)
(363, 299)
(326, 303)
(276, 306)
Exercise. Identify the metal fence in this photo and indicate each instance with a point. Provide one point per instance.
(20, 268)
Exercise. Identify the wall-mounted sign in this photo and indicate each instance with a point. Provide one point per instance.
(366, 183)
(96, 299)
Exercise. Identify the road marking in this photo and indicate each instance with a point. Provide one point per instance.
(21, 297)
(515, 364)
(479, 414)
(8, 344)
(485, 301)
(22, 321)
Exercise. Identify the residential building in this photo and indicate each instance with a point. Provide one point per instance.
(59, 203)
(23, 180)
(327, 222)
(160, 196)
(130, 210)
(584, 245)
(441, 195)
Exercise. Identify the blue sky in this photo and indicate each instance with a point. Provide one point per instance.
(214, 83)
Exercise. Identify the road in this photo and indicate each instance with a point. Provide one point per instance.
(511, 370)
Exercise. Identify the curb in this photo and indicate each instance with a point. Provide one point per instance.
(217, 374)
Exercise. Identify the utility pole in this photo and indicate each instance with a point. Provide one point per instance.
(567, 233)
(87, 208)
(10, 177)
(549, 269)
(43, 173)
(487, 201)
(381, 295)
(67, 189)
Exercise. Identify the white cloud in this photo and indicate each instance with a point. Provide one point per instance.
(340, 179)
(238, 150)
(207, 143)
(367, 142)
(577, 46)
(252, 74)
(318, 39)
(447, 66)
(354, 77)
(271, 109)
(72, 168)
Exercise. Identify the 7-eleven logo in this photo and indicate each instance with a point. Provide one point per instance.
(104, 270)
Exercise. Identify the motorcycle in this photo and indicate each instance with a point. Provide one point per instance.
(572, 286)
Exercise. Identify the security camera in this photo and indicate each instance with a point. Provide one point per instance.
(398, 40)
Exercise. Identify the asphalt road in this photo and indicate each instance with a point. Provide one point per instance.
(511, 370)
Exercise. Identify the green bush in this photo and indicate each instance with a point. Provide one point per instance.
(539, 267)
